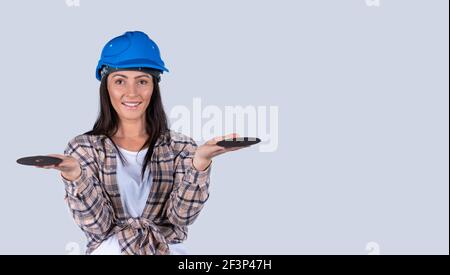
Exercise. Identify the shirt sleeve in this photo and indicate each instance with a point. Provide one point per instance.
(191, 188)
(91, 210)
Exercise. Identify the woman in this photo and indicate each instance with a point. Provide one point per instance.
(132, 185)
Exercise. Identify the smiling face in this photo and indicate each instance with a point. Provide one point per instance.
(130, 93)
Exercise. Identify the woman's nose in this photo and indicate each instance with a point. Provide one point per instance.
(132, 90)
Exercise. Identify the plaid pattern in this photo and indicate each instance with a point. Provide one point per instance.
(177, 196)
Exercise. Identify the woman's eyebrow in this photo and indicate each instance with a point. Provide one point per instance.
(143, 75)
(124, 76)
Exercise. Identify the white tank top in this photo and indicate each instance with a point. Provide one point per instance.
(133, 193)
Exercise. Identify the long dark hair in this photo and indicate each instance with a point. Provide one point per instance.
(156, 123)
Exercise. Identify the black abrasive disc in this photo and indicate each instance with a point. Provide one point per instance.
(39, 160)
(238, 142)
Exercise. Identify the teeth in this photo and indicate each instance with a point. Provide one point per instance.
(131, 104)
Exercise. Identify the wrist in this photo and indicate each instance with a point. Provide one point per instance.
(71, 176)
(201, 164)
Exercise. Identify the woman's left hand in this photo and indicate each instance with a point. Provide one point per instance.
(204, 153)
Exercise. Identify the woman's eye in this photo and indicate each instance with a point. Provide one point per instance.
(143, 82)
(119, 82)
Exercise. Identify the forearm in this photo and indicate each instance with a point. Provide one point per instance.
(90, 210)
(190, 193)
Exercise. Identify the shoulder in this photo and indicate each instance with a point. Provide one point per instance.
(83, 142)
(177, 137)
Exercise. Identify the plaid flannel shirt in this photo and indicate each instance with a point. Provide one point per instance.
(177, 195)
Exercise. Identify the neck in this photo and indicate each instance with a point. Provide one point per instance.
(131, 129)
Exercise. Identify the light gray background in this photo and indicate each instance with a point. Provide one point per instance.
(363, 96)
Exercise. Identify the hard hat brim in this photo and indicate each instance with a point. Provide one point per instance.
(143, 63)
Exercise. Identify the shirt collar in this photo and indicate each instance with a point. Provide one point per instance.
(103, 141)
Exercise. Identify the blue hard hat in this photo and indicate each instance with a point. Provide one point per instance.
(130, 50)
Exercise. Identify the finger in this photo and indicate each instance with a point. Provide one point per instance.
(221, 149)
(219, 138)
(55, 155)
(218, 148)
(45, 166)
(214, 141)
(233, 135)
(63, 157)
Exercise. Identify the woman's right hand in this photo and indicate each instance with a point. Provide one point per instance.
(70, 167)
